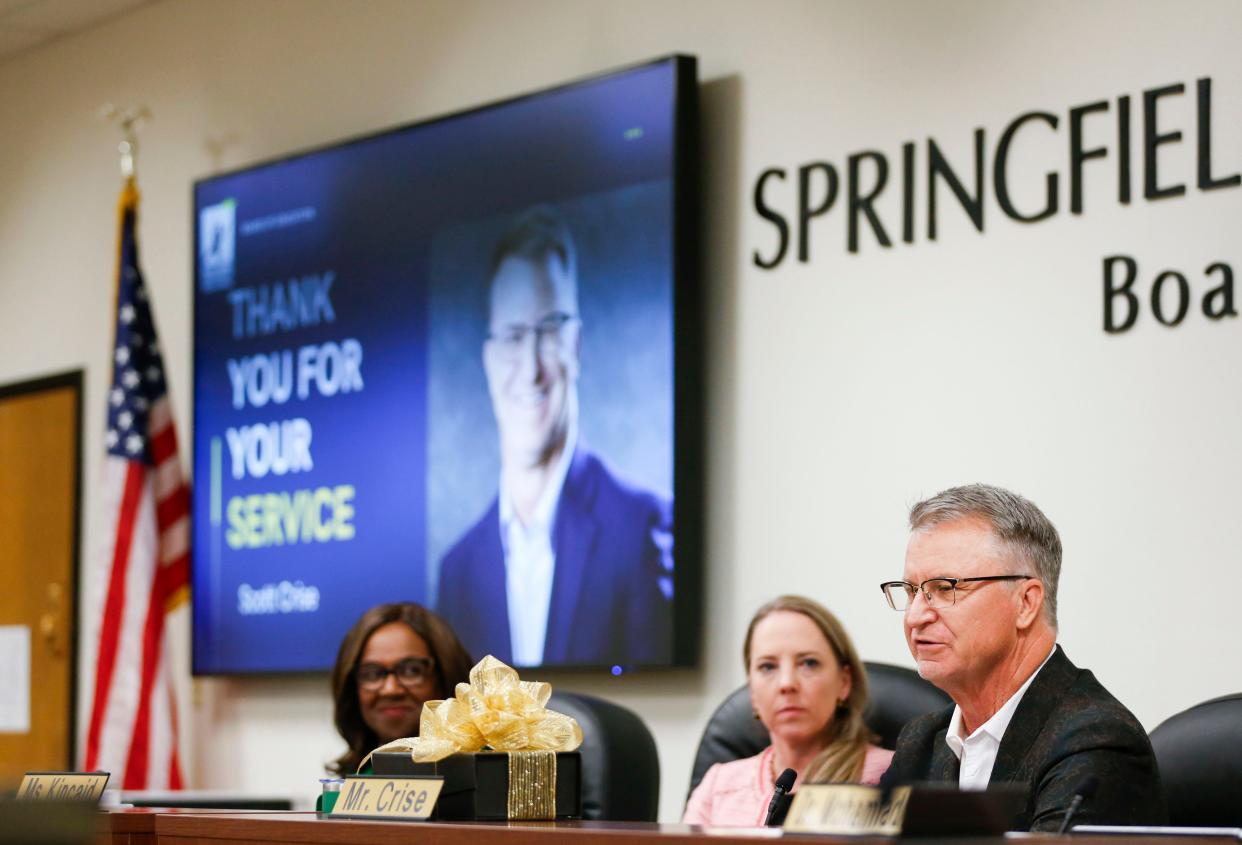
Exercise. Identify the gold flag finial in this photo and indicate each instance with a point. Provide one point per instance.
(127, 120)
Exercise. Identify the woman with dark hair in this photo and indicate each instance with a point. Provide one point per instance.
(396, 657)
(809, 689)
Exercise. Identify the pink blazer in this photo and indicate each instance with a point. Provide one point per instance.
(736, 794)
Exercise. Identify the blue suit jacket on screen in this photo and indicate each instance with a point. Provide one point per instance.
(611, 586)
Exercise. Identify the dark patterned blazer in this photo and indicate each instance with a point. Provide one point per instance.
(1066, 727)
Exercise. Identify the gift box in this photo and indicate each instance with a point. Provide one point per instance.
(498, 786)
(502, 753)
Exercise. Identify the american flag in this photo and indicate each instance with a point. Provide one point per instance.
(144, 567)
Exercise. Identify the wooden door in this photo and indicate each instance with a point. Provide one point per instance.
(40, 459)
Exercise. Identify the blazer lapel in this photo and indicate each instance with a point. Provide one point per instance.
(944, 764)
(1041, 698)
(573, 538)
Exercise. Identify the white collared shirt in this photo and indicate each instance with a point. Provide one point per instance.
(978, 751)
(530, 561)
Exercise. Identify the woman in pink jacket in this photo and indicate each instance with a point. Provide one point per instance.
(809, 689)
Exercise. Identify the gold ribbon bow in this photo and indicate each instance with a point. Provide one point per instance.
(495, 711)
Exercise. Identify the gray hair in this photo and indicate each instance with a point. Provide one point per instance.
(1015, 521)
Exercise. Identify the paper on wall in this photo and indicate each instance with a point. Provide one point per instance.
(15, 679)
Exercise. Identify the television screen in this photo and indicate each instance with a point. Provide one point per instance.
(456, 363)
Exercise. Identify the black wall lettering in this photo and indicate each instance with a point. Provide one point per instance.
(1183, 297)
(861, 203)
(820, 184)
(1000, 172)
(1123, 149)
(907, 192)
(1223, 292)
(1112, 291)
(937, 165)
(765, 211)
(1077, 154)
(805, 210)
(1206, 181)
(1152, 139)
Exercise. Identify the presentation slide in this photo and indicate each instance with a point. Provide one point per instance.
(437, 365)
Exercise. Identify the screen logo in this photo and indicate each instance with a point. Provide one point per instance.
(217, 232)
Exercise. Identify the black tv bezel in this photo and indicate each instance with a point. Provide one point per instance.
(689, 396)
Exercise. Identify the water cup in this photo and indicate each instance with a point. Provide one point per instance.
(331, 790)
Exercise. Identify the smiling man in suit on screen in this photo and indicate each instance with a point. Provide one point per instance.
(979, 599)
(570, 565)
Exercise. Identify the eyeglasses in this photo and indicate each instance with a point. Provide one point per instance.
(510, 341)
(413, 672)
(939, 592)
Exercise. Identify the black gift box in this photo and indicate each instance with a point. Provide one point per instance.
(476, 786)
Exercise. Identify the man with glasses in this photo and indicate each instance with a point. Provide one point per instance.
(979, 603)
(570, 565)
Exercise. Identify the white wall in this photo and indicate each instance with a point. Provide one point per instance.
(839, 391)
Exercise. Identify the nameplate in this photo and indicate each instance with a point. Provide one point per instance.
(375, 797)
(845, 809)
(63, 786)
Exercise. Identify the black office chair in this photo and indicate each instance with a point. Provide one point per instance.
(1199, 752)
(897, 696)
(620, 764)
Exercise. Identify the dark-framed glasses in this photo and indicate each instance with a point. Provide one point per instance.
(413, 672)
(510, 340)
(939, 592)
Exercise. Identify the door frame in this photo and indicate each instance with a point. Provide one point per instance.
(73, 379)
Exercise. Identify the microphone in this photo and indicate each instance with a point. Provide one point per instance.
(779, 805)
(1086, 788)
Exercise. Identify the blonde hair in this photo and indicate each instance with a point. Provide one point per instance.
(846, 736)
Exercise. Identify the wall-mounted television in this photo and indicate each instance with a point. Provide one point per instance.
(457, 363)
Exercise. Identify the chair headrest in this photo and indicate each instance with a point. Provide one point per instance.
(620, 764)
(898, 695)
(1199, 752)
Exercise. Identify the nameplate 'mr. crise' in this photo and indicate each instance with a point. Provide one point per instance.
(62, 786)
(374, 797)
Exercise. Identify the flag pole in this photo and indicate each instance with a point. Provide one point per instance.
(132, 730)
